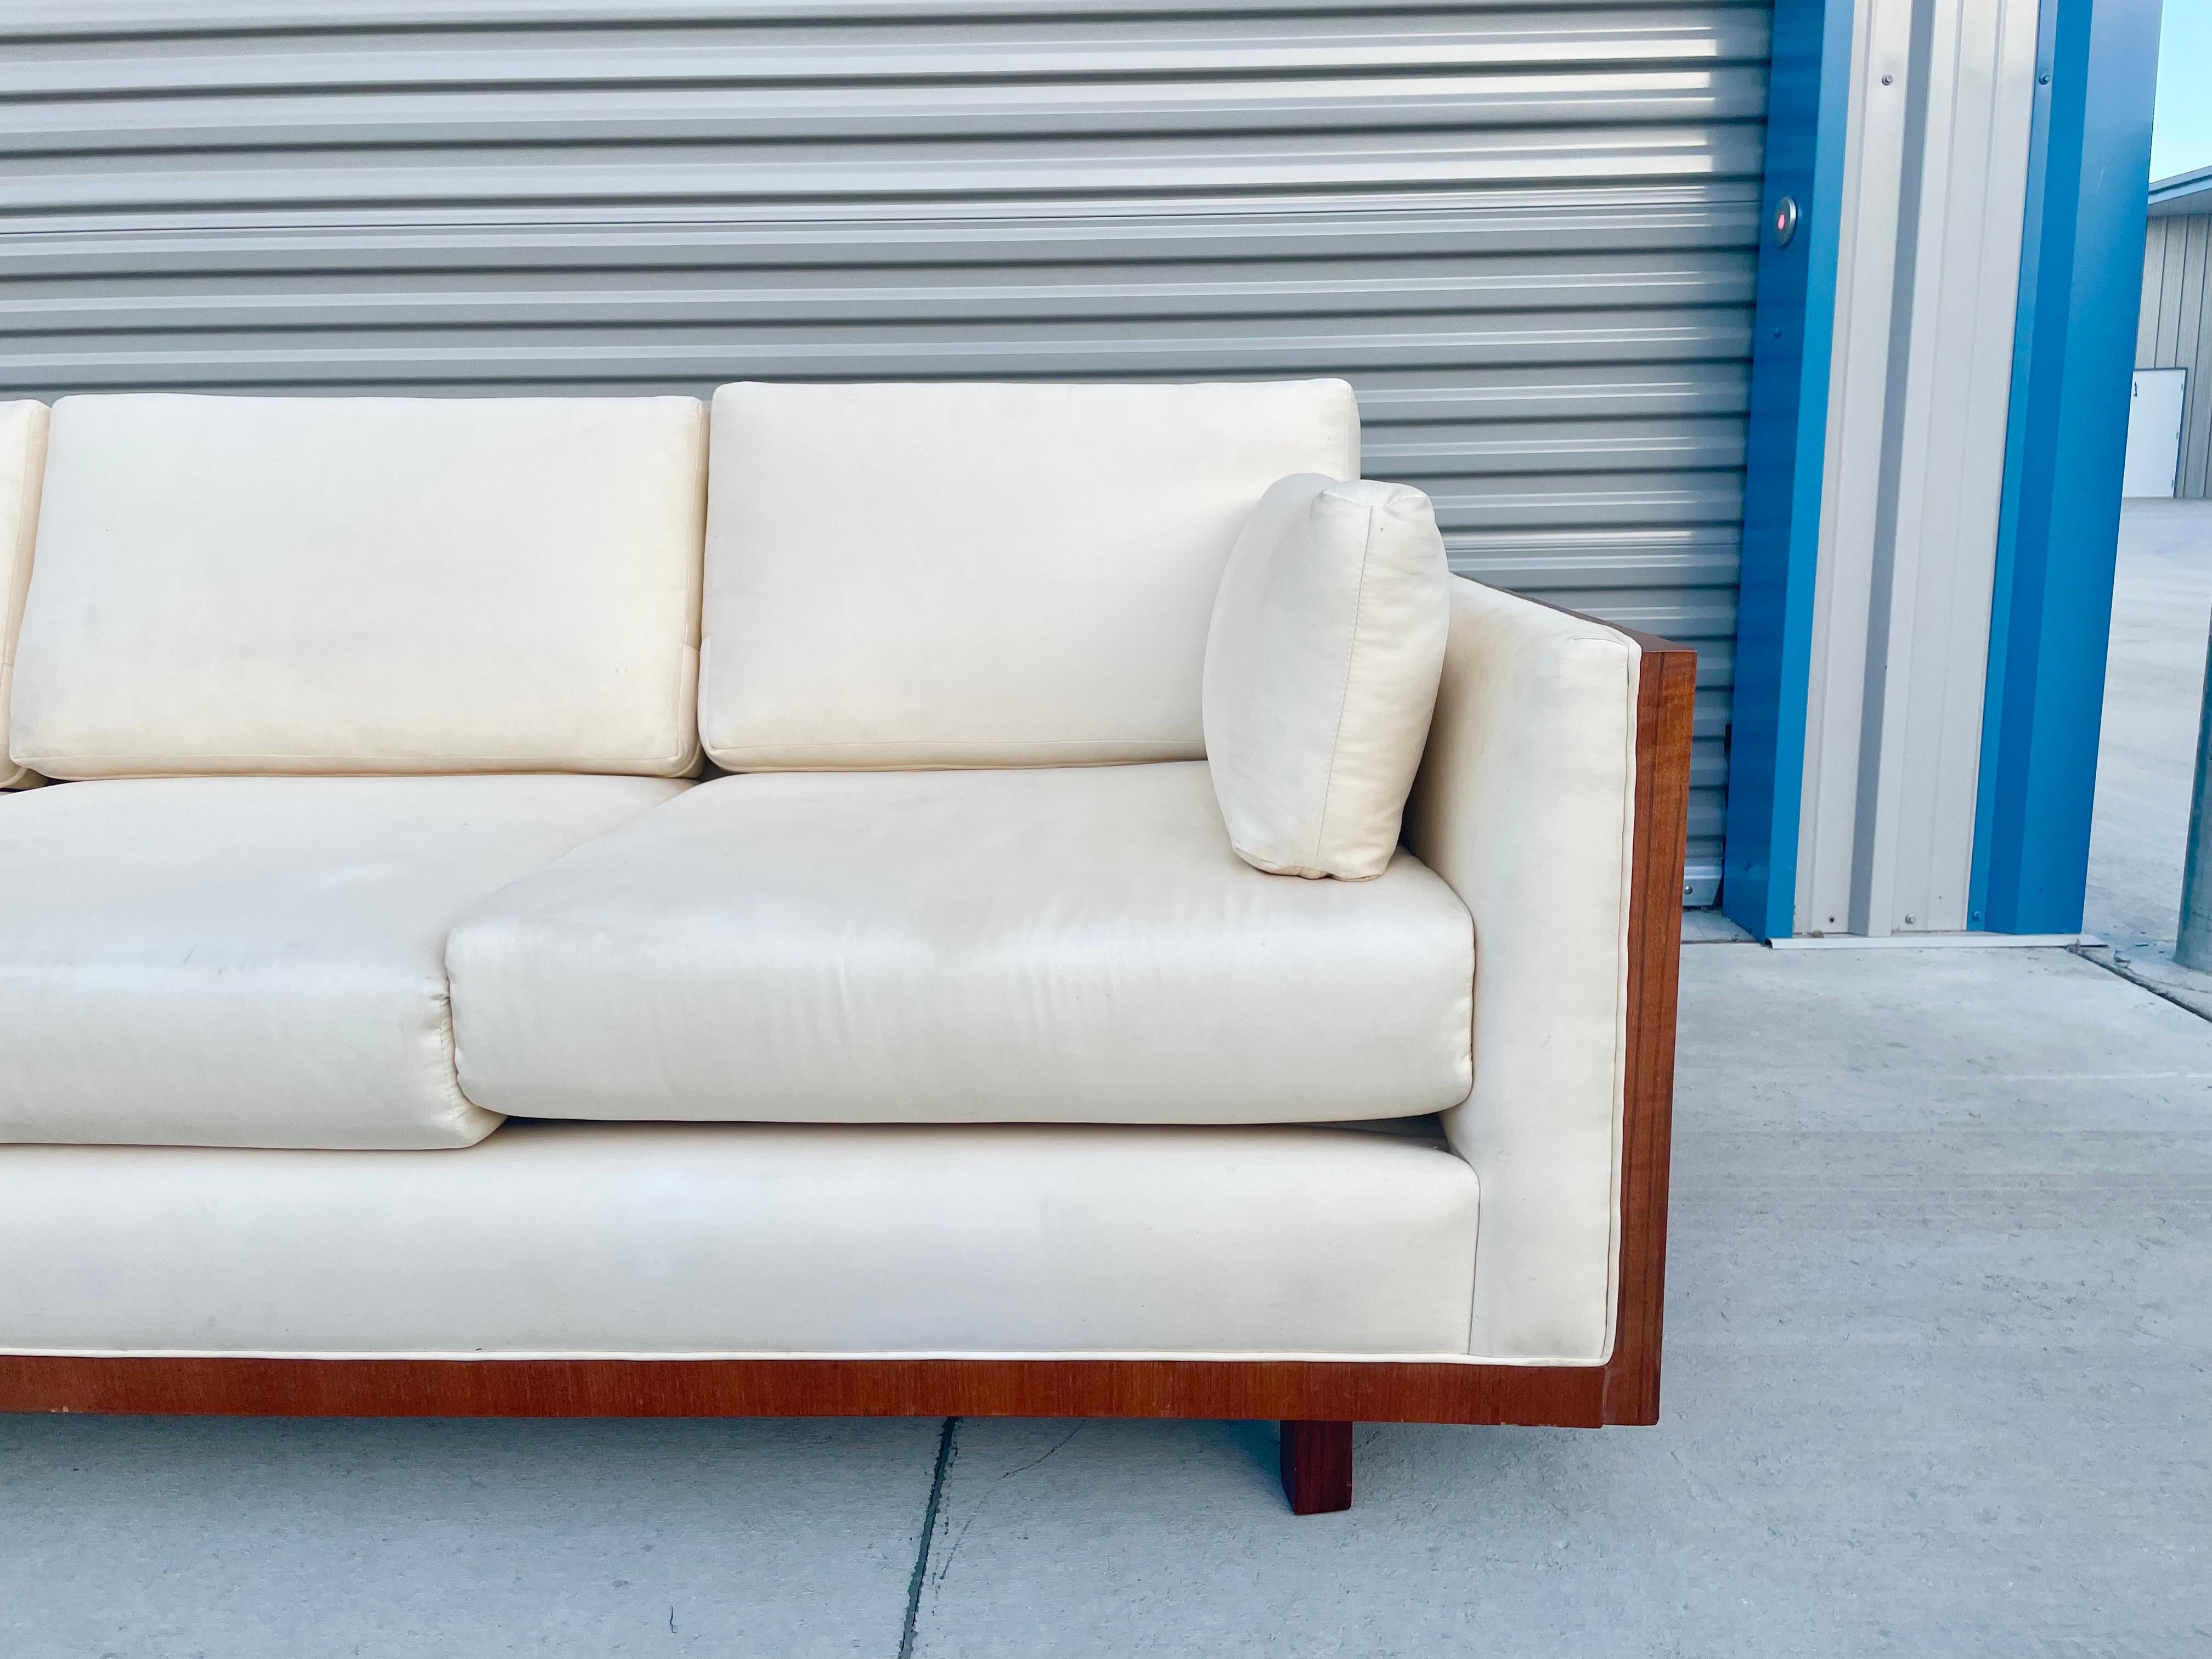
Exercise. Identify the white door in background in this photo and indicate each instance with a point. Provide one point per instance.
(2153, 432)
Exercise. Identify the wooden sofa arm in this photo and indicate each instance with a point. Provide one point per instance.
(1554, 798)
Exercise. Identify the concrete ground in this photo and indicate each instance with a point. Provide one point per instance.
(2154, 691)
(1939, 1341)
(1939, 1361)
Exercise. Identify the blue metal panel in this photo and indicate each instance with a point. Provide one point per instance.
(2058, 529)
(1807, 114)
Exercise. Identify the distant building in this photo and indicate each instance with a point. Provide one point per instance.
(2171, 432)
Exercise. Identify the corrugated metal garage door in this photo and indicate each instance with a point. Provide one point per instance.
(1525, 234)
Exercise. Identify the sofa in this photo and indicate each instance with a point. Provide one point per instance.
(606, 906)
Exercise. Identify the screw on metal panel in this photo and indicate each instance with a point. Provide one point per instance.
(1886, 79)
(1908, 922)
(2043, 79)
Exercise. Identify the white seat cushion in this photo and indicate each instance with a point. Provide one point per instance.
(257, 961)
(22, 464)
(982, 575)
(388, 584)
(1321, 673)
(1065, 945)
(651, 1240)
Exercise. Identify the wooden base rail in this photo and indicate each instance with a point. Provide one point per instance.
(1316, 1401)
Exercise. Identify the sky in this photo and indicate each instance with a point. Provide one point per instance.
(2181, 131)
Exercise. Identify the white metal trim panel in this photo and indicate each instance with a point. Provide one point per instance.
(1935, 192)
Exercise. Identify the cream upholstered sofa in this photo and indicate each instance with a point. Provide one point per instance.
(392, 1020)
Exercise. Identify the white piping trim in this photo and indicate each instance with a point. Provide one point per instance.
(741, 1353)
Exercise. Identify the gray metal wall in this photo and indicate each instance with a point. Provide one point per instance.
(1525, 233)
(2175, 332)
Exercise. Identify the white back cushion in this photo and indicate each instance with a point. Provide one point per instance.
(1321, 673)
(375, 585)
(22, 462)
(929, 575)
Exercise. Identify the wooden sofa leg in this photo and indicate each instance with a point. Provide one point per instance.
(1317, 1466)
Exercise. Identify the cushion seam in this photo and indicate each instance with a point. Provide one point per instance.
(523, 764)
(946, 742)
(1633, 668)
(460, 1106)
(30, 480)
(1344, 701)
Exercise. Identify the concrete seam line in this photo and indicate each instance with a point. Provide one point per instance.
(928, 1531)
(2159, 991)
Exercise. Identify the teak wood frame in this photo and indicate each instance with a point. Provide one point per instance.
(1316, 1399)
